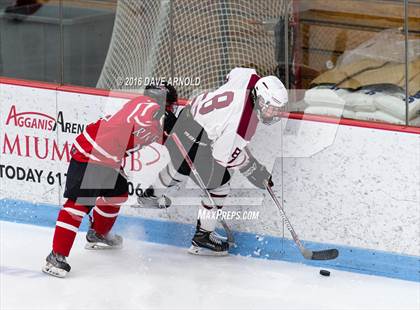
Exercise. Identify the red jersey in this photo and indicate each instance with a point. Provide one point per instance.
(110, 139)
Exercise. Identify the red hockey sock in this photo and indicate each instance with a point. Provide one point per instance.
(67, 225)
(104, 215)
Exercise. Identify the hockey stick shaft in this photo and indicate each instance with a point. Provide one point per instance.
(308, 254)
(201, 183)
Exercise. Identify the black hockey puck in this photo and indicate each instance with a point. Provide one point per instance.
(324, 272)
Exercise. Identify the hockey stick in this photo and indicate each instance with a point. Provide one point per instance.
(184, 153)
(308, 254)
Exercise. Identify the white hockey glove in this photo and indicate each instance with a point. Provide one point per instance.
(256, 173)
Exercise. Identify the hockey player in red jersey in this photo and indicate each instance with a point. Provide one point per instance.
(95, 178)
(215, 129)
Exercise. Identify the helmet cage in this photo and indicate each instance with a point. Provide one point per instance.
(268, 113)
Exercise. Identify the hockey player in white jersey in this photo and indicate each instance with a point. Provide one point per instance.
(215, 128)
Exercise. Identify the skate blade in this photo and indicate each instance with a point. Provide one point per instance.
(101, 246)
(54, 271)
(195, 250)
(220, 236)
(150, 206)
(141, 206)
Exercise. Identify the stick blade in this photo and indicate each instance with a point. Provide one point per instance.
(325, 254)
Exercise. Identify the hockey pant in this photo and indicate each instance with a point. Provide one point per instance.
(215, 176)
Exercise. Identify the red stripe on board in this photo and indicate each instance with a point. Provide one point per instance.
(70, 88)
(98, 92)
(292, 115)
(34, 84)
(351, 122)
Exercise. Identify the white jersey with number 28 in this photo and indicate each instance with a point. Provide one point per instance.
(227, 116)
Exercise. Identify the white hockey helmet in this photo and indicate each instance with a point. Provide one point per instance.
(270, 97)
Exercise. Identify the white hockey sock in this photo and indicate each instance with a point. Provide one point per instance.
(218, 195)
(206, 212)
(207, 217)
(168, 177)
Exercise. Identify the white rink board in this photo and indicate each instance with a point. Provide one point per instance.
(39, 149)
(363, 190)
(344, 185)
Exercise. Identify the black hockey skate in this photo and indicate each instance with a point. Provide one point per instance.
(208, 243)
(96, 241)
(56, 265)
(149, 200)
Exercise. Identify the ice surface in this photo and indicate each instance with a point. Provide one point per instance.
(145, 275)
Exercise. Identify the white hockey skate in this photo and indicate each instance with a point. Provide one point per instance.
(96, 241)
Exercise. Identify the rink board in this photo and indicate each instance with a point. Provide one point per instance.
(351, 259)
(352, 186)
